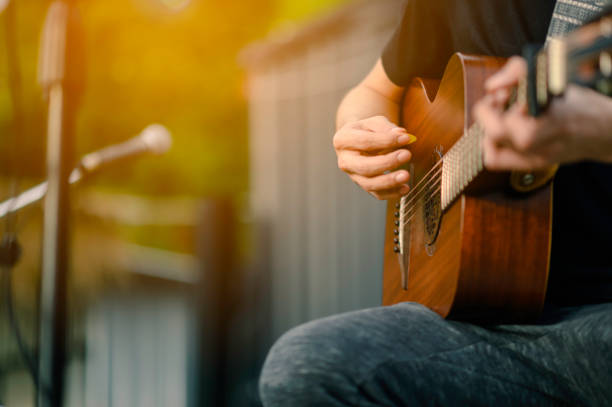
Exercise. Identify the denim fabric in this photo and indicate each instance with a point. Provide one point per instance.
(407, 355)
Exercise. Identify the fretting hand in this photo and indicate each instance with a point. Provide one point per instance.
(577, 126)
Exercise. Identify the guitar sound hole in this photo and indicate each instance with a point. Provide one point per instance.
(432, 208)
(432, 216)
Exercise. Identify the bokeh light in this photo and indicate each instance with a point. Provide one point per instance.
(175, 5)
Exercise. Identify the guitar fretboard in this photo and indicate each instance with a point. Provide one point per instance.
(461, 164)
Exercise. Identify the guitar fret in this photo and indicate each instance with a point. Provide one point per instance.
(461, 164)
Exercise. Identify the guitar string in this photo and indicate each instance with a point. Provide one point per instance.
(409, 209)
(423, 188)
(413, 207)
(406, 221)
(426, 177)
(411, 215)
(473, 131)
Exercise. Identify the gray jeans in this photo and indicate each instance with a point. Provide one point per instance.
(407, 355)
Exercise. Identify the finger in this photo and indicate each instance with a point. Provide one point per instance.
(501, 97)
(524, 132)
(379, 124)
(364, 140)
(520, 106)
(383, 182)
(354, 163)
(509, 75)
(391, 193)
(498, 158)
(490, 118)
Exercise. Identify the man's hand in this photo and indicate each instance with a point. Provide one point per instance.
(576, 127)
(370, 151)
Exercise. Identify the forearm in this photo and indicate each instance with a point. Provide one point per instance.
(602, 124)
(363, 102)
(586, 117)
(369, 145)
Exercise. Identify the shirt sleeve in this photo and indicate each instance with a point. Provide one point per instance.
(421, 44)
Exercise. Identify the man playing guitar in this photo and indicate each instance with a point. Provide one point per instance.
(408, 355)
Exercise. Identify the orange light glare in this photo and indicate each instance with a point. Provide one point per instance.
(174, 5)
(4, 3)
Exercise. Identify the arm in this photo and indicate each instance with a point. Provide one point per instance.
(576, 127)
(368, 143)
(376, 95)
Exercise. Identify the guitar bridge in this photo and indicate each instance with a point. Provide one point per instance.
(403, 222)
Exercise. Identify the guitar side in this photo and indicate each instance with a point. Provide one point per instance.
(489, 260)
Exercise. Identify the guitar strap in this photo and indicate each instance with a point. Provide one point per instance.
(571, 14)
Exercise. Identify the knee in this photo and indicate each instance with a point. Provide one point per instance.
(332, 356)
(288, 368)
(301, 367)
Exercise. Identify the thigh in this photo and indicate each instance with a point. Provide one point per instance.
(408, 355)
(565, 359)
(570, 348)
(324, 362)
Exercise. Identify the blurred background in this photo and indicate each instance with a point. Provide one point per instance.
(186, 267)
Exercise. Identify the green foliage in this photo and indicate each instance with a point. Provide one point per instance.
(179, 70)
(147, 63)
(144, 63)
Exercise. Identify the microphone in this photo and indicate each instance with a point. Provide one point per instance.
(154, 139)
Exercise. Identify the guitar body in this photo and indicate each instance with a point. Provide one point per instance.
(489, 259)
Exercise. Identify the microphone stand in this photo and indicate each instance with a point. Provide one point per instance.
(54, 68)
(154, 139)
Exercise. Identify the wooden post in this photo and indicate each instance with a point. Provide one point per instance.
(216, 297)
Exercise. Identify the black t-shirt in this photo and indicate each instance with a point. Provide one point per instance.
(432, 30)
(428, 34)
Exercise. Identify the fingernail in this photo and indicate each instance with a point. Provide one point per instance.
(400, 130)
(406, 139)
(403, 156)
(401, 177)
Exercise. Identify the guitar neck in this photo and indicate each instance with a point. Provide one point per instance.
(583, 57)
(461, 165)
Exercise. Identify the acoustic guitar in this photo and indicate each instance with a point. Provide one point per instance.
(468, 243)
